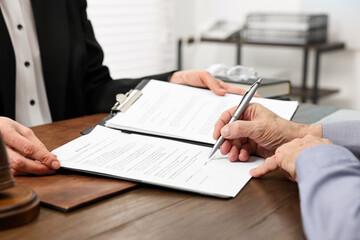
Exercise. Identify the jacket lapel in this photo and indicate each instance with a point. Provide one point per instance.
(7, 72)
(52, 28)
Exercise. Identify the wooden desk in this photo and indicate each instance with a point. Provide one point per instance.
(303, 92)
(267, 208)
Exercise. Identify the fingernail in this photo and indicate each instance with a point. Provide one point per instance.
(55, 165)
(225, 131)
(251, 172)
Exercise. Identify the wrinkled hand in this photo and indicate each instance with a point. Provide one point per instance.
(205, 80)
(20, 141)
(285, 157)
(259, 131)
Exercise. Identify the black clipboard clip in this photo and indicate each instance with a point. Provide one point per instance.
(124, 101)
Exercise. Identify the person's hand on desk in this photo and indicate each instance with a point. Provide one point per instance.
(258, 131)
(285, 157)
(204, 79)
(20, 141)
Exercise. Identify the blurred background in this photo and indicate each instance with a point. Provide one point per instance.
(140, 37)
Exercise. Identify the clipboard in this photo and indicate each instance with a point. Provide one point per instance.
(119, 149)
(122, 103)
(155, 97)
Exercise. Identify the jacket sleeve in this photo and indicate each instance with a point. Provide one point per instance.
(346, 134)
(100, 88)
(329, 185)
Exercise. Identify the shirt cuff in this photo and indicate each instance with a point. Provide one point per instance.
(315, 159)
(342, 133)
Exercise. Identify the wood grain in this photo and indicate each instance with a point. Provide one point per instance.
(58, 133)
(67, 190)
(19, 205)
(266, 208)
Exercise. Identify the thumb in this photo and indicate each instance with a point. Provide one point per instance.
(238, 129)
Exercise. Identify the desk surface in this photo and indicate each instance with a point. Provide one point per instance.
(266, 208)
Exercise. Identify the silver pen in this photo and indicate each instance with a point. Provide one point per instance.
(242, 105)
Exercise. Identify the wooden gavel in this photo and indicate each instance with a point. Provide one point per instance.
(6, 178)
(18, 204)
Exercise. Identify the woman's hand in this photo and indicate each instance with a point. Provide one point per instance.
(204, 79)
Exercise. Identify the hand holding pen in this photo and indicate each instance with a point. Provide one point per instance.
(241, 107)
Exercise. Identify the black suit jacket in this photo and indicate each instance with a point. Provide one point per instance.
(76, 82)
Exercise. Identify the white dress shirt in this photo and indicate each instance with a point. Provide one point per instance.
(31, 107)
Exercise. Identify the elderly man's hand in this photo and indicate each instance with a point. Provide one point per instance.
(20, 143)
(285, 157)
(258, 131)
(205, 80)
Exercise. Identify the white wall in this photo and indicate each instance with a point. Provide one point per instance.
(338, 69)
(344, 18)
(136, 35)
(341, 69)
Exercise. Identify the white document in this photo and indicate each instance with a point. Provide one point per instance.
(156, 161)
(185, 112)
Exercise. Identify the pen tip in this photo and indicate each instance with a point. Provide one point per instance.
(211, 153)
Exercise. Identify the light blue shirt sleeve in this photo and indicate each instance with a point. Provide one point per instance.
(345, 134)
(329, 186)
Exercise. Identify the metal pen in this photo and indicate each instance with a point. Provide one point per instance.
(241, 107)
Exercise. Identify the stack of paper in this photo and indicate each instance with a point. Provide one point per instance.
(167, 110)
